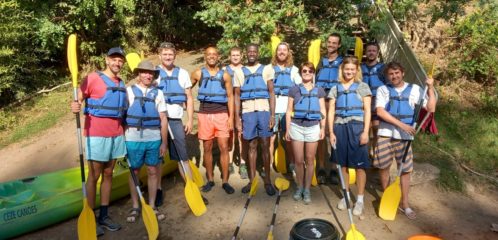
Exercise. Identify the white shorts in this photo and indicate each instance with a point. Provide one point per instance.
(304, 134)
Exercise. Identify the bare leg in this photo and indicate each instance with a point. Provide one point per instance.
(224, 158)
(251, 153)
(106, 184)
(159, 172)
(265, 141)
(310, 163)
(384, 177)
(361, 179)
(133, 191)
(243, 149)
(345, 175)
(298, 148)
(94, 172)
(208, 158)
(405, 187)
(272, 147)
(288, 152)
(152, 184)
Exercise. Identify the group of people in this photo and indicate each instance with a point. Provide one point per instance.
(348, 102)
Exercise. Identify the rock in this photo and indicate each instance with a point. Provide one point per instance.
(423, 172)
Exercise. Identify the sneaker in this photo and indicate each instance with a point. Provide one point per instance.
(159, 198)
(358, 209)
(307, 196)
(100, 231)
(109, 224)
(270, 190)
(243, 171)
(342, 204)
(207, 187)
(321, 176)
(246, 188)
(228, 189)
(298, 194)
(334, 177)
(206, 202)
(230, 169)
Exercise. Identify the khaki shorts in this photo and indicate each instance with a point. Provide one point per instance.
(388, 149)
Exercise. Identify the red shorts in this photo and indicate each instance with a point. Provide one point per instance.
(213, 125)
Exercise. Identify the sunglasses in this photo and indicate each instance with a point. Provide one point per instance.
(307, 71)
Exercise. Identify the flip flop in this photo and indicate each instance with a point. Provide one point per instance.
(409, 213)
(133, 215)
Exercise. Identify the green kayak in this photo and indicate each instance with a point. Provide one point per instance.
(33, 203)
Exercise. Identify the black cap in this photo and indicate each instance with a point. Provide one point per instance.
(116, 51)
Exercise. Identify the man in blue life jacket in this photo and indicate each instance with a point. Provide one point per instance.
(373, 75)
(146, 133)
(395, 106)
(258, 113)
(285, 76)
(177, 88)
(104, 94)
(216, 114)
(235, 58)
(326, 78)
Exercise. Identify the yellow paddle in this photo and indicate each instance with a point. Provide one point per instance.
(358, 48)
(282, 184)
(87, 228)
(392, 195)
(279, 157)
(314, 182)
(196, 174)
(192, 193)
(133, 59)
(148, 215)
(274, 44)
(314, 52)
(352, 175)
(352, 234)
(254, 188)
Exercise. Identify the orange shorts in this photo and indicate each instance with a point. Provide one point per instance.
(213, 125)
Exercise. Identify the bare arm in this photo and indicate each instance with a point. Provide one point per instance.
(431, 102)
(164, 133)
(229, 89)
(323, 121)
(272, 102)
(331, 117)
(190, 111)
(237, 109)
(288, 116)
(195, 76)
(367, 115)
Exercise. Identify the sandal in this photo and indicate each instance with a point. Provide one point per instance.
(160, 216)
(409, 213)
(133, 215)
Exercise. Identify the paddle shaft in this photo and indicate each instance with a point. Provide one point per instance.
(274, 217)
(242, 217)
(343, 185)
(135, 179)
(80, 144)
(176, 152)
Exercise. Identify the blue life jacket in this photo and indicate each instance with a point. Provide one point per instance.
(212, 88)
(112, 104)
(308, 106)
(349, 102)
(373, 76)
(254, 86)
(328, 76)
(173, 92)
(282, 82)
(399, 106)
(143, 111)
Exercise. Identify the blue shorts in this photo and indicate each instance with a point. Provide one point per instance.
(178, 147)
(104, 149)
(143, 152)
(256, 124)
(349, 151)
(280, 122)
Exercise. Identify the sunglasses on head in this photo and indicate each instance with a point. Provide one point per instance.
(307, 71)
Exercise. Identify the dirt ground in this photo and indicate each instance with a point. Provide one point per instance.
(446, 214)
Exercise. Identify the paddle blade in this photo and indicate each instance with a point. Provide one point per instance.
(270, 236)
(353, 234)
(254, 187)
(274, 44)
(314, 52)
(87, 228)
(280, 159)
(196, 174)
(194, 199)
(133, 59)
(150, 220)
(352, 175)
(431, 72)
(314, 182)
(282, 184)
(390, 201)
(358, 48)
(72, 59)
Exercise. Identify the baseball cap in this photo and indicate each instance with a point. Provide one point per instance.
(116, 51)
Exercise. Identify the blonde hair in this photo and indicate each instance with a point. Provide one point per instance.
(290, 59)
(350, 60)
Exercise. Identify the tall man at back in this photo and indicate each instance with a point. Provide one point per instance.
(258, 113)
(104, 94)
(216, 114)
(327, 77)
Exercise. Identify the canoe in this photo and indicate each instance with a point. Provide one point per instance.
(33, 203)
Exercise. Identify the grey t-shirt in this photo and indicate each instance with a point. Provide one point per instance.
(295, 93)
(363, 90)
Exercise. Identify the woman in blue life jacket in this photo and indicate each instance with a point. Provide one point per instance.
(349, 122)
(305, 125)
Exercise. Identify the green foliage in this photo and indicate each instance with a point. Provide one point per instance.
(477, 46)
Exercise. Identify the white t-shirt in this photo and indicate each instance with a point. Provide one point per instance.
(234, 69)
(144, 134)
(281, 101)
(176, 110)
(382, 99)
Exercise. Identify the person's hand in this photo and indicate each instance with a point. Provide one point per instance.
(75, 107)
(188, 127)
(272, 122)
(239, 125)
(163, 149)
(364, 138)
(408, 129)
(230, 125)
(430, 82)
(332, 138)
(322, 133)
(287, 136)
